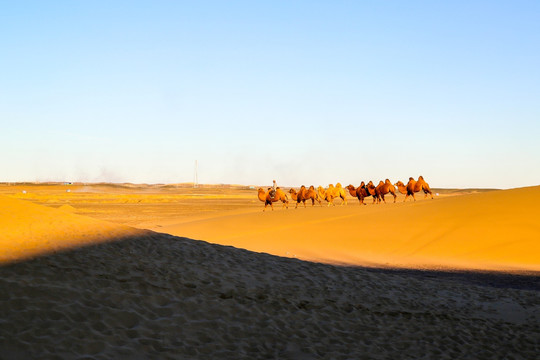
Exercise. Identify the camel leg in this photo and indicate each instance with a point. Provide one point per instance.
(395, 196)
(413, 197)
(406, 196)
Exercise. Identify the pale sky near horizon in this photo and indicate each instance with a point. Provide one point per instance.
(304, 92)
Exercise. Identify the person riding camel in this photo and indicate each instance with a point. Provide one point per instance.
(273, 191)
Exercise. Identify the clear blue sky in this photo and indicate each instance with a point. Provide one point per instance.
(304, 92)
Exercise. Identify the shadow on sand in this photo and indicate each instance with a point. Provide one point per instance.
(160, 296)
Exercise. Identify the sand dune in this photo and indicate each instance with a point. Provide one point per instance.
(118, 292)
(497, 230)
(29, 230)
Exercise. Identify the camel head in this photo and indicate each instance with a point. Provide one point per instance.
(399, 183)
(292, 191)
(350, 187)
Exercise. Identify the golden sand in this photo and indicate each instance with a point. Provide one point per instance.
(495, 230)
(75, 286)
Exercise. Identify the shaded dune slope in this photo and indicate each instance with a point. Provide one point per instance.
(160, 296)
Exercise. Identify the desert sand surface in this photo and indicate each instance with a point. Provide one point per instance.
(459, 229)
(84, 275)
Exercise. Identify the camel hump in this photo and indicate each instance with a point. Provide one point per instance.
(338, 185)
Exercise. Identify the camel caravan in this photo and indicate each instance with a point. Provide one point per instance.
(331, 193)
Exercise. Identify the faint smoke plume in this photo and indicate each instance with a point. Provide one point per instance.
(109, 176)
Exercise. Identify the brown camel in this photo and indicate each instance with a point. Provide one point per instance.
(361, 192)
(265, 197)
(384, 188)
(414, 187)
(332, 193)
(372, 190)
(305, 194)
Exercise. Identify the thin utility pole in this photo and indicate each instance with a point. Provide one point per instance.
(196, 179)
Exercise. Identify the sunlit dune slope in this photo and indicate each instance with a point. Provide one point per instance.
(27, 229)
(499, 230)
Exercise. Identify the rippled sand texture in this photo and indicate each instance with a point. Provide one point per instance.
(164, 297)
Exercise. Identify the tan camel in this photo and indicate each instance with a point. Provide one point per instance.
(332, 193)
(402, 188)
(265, 197)
(361, 192)
(305, 194)
(384, 188)
(294, 194)
(414, 187)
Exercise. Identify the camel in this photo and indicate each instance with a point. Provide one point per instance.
(402, 188)
(294, 194)
(384, 188)
(361, 192)
(372, 190)
(331, 193)
(265, 197)
(414, 186)
(305, 194)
